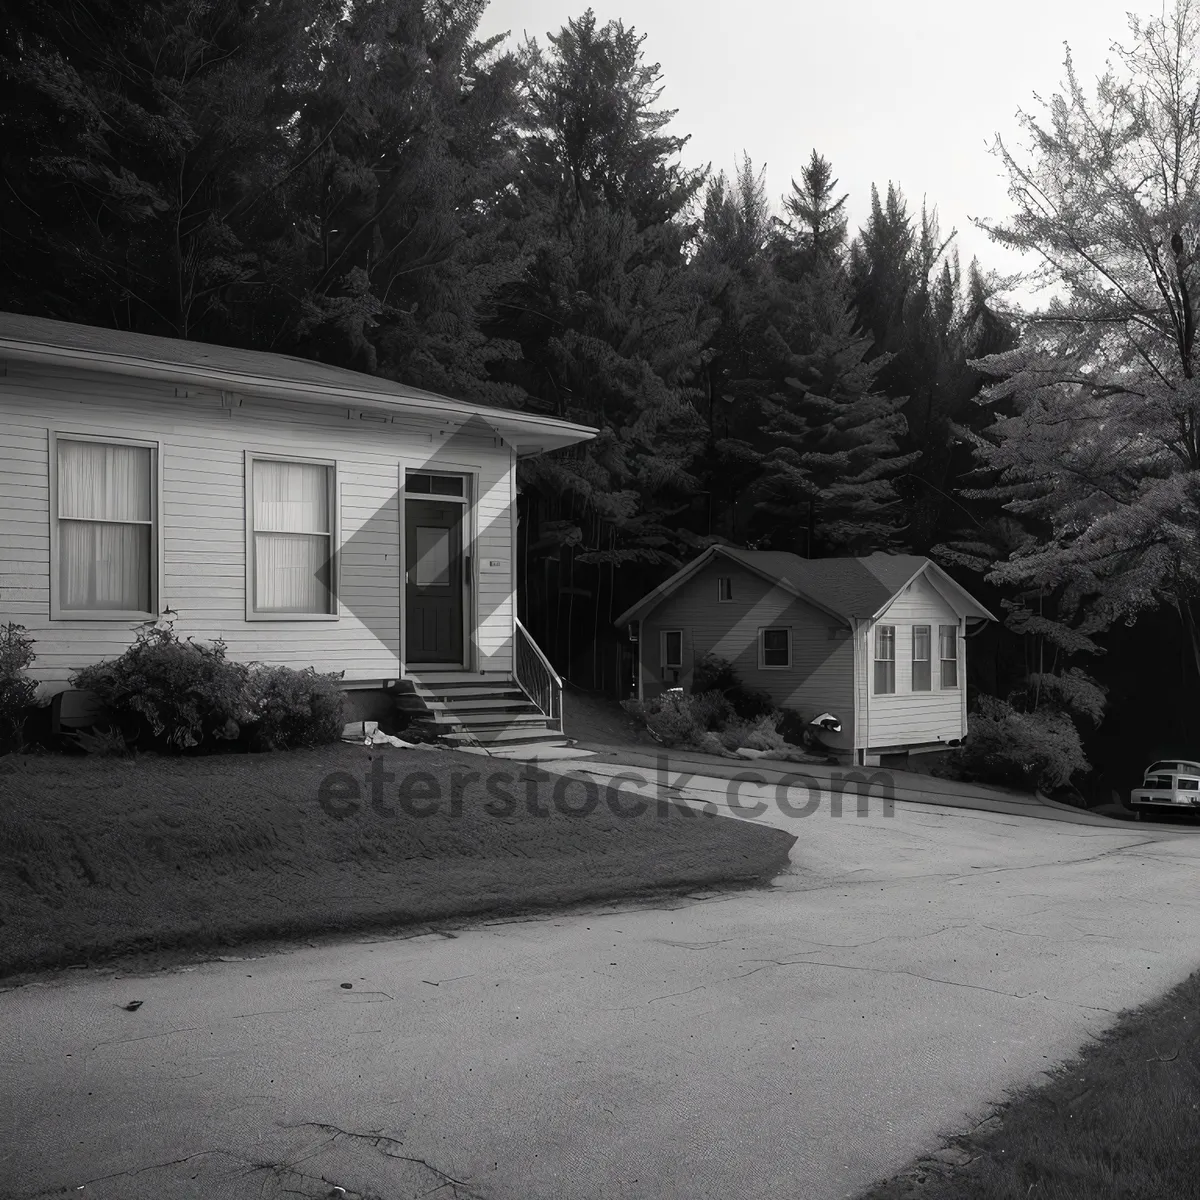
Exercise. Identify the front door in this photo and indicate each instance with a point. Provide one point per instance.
(434, 582)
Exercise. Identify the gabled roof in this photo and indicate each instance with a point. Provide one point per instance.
(848, 588)
(301, 380)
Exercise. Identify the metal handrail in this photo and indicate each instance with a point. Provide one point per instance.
(536, 677)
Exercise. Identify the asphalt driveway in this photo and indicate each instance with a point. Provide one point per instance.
(798, 1042)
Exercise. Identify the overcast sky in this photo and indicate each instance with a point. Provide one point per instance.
(912, 91)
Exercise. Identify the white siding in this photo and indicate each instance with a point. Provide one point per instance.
(907, 718)
(203, 570)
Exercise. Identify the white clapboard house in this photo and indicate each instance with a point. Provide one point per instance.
(306, 514)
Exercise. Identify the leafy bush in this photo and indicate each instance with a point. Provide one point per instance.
(176, 694)
(713, 673)
(294, 708)
(671, 717)
(171, 693)
(1022, 750)
(756, 734)
(17, 690)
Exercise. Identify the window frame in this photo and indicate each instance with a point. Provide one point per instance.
(763, 665)
(722, 580)
(663, 664)
(927, 661)
(335, 592)
(876, 660)
(956, 660)
(57, 611)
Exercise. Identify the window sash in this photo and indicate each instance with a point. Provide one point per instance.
(948, 654)
(672, 637)
(885, 659)
(105, 496)
(724, 588)
(779, 654)
(292, 519)
(921, 650)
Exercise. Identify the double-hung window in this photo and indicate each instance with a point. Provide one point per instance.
(921, 650)
(291, 520)
(948, 652)
(885, 659)
(105, 527)
(775, 647)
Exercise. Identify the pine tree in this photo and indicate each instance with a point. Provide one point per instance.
(831, 475)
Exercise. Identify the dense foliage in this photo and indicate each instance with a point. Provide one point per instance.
(176, 694)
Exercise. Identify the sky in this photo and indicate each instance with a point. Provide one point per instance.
(907, 91)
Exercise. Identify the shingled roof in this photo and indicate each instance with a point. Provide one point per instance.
(89, 347)
(851, 587)
(844, 587)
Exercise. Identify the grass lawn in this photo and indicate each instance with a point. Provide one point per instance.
(101, 856)
(1119, 1122)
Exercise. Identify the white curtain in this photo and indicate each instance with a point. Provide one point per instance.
(105, 510)
(291, 538)
(433, 557)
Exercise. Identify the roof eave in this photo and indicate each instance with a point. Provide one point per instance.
(530, 434)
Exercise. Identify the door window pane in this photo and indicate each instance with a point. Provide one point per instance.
(433, 556)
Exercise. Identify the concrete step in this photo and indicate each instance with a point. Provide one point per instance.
(445, 696)
(506, 737)
(498, 720)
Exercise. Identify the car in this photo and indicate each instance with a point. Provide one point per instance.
(1169, 784)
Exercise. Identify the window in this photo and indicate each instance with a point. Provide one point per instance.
(948, 641)
(775, 648)
(291, 539)
(1189, 785)
(724, 588)
(105, 527)
(433, 485)
(921, 679)
(672, 648)
(885, 659)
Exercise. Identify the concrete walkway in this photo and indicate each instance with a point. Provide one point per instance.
(800, 1041)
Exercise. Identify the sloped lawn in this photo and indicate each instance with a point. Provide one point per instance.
(1119, 1122)
(102, 855)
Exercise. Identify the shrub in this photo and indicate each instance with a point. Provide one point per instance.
(758, 733)
(294, 708)
(671, 717)
(713, 673)
(17, 690)
(170, 693)
(1023, 750)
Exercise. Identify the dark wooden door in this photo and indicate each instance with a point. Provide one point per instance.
(434, 587)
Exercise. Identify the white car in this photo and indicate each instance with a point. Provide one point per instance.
(1169, 784)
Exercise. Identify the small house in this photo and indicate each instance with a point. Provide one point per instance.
(879, 642)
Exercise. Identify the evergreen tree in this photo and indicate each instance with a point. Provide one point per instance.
(831, 475)
(814, 228)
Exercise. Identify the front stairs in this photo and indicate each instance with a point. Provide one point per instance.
(462, 708)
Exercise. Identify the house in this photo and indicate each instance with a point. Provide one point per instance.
(878, 642)
(305, 514)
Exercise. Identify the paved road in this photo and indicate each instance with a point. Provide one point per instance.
(798, 1042)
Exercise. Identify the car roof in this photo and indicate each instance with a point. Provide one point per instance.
(1173, 764)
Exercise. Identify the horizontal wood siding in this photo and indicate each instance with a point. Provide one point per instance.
(907, 717)
(821, 675)
(203, 517)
